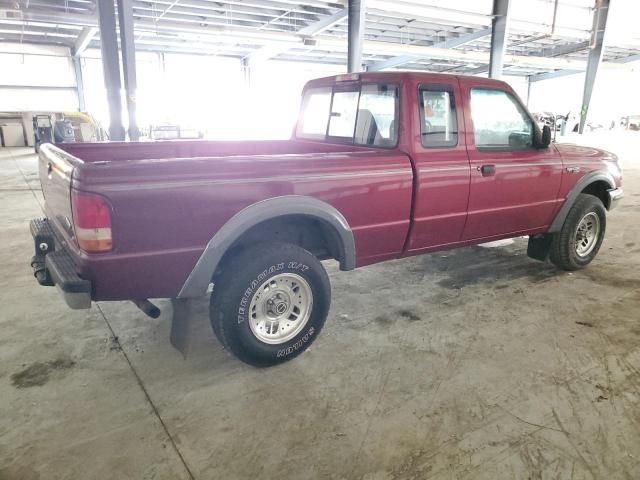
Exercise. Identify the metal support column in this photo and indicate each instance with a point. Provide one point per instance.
(498, 37)
(595, 57)
(128, 53)
(111, 67)
(245, 64)
(528, 90)
(356, 26)
(77, 70)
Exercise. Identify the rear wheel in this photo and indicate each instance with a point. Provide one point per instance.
(270, 303)
(579, 240)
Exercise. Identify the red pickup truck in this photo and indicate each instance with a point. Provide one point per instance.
(380, 166)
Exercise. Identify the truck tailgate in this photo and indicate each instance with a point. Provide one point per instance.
(55, 169)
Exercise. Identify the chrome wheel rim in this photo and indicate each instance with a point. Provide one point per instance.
(280, 308)
(587, 234)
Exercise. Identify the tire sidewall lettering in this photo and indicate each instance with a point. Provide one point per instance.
(297, 345)
(297, 266)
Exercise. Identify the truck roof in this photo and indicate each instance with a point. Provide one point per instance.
(397, 76)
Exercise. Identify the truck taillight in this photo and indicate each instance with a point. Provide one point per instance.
(91, 221)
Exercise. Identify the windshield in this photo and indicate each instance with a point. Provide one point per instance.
(358, 114)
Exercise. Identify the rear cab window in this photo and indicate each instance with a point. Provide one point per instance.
(359, 114)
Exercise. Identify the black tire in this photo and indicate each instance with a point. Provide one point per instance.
(563, 251)
(238, 285)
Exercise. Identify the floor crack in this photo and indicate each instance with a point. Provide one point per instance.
(146, 394)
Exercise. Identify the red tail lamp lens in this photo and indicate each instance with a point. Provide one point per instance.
(92, 221)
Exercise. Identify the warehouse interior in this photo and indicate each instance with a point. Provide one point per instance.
(476, 363)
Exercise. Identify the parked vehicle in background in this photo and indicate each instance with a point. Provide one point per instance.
(631, 122)
(49, 129)
(65, 128)
(382, 165)
(573, 124)
(167, 131)
(42, 130)
(545, 118)
(85, 127)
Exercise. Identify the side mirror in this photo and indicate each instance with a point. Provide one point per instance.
(542, 139)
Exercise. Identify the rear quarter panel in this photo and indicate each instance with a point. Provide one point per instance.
(166, 210)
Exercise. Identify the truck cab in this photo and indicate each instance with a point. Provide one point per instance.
(482, 169)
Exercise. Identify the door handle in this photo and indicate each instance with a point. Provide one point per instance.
(487, 170)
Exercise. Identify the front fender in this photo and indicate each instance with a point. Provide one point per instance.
(572, 196)
(201, 275)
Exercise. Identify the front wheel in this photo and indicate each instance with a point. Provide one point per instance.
(579, 240)
(270, 303)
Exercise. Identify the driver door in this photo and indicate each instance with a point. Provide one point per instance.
(514, 186)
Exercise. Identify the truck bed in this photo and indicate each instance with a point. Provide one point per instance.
(169, 198)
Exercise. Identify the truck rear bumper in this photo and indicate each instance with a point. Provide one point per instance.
(53, 265)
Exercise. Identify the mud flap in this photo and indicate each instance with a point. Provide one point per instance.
(539, 246)
(181, 325)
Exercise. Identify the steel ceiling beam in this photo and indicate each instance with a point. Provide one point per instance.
(477, 70)
(323, 24)
(498, 37)
(355, 34)
(416, 9)
(84, 40)
(235, 9)
(231, 36)
(449, 43)
(270, 51)
(630, 58)
(595, 57)
(556, 74)
(557, 50)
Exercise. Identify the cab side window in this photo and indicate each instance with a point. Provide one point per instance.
(499, 121)
(377, 111)
(438, 123)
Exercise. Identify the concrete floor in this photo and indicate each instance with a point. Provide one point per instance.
(477, 363)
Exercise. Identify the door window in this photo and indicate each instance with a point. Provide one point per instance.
(438, 123)
(499, 121)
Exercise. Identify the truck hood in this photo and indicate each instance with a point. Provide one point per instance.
(571, 151)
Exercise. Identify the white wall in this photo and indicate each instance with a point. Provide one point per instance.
(36, 66)
(150, 95)
(275, 92)
(519, 84)
(210, 93)
(615, 94)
